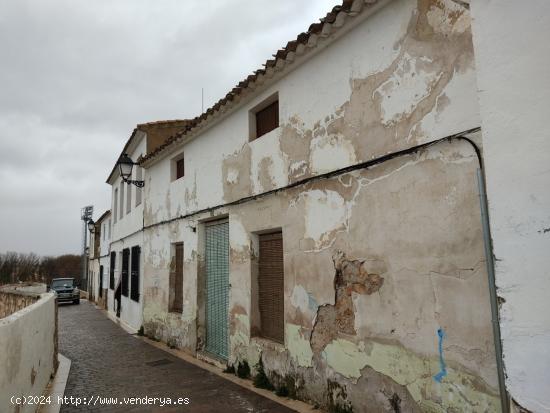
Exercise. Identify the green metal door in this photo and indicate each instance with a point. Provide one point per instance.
(217, 287)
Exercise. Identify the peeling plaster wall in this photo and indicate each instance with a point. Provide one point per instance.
(174, 328)
(514, 91)
(393, 82)
(400, 283)
(376, 261)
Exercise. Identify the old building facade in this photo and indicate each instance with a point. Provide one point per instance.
(125, 261)
(336, 246)
(322, 223)
(98, 259)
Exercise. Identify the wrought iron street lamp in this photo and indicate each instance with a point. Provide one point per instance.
(125, 165)
(91, 225)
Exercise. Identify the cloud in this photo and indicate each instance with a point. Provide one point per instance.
(77, 76)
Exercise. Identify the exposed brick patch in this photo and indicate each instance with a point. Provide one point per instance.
(351, 276)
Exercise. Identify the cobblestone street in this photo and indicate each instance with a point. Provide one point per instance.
(109, 362)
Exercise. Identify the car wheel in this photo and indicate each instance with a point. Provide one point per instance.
(76, 301)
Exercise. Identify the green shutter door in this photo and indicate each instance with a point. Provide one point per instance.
(217, 287)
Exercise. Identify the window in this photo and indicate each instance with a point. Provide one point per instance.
(124, 272)
(129, 199)
(134, 281)
(121, 203)
(264, 117)
(175, 303)
(139, 177)
(112, 271)
(115, 208)
(109, 225)
(267, 119)
(101, 280)
(177, 167)
(104, 230)
(271, 286)
(180, 168)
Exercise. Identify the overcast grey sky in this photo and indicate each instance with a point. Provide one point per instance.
(76, 76)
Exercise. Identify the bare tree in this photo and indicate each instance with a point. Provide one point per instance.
(27, 267)
(16, 267)
(9, 267)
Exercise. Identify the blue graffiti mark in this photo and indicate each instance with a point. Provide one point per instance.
(312, 303)
(443, 369)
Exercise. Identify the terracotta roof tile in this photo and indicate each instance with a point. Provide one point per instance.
(154, 126)
(309, 38)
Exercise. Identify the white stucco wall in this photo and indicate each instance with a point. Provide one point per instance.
(27, 352)
(309, 94)
(513, 59)
(103, 258)
(126, 233)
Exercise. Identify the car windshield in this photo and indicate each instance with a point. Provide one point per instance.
(62, 283)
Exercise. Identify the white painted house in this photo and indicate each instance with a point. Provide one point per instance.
(327, 223)
(322, 223)
(125, 284)
(514, 91)
(98, 259)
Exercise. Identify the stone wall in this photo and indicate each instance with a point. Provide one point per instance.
(11, 302)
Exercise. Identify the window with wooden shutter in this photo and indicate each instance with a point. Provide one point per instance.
(101, 280)
(124, 272)
(121, 203)
(267, 119)
(176, 280)
(271, 286)
(115, 207)
(129, 199)
(180, 168)
(134, 275)
(112, 271)
(139, 177)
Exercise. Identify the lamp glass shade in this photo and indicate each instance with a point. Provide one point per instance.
(91, 225)
(125, 165)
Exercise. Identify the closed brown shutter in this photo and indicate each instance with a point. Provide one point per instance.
(267, 119)
(176, 281)
(271, 286)
(180, 168)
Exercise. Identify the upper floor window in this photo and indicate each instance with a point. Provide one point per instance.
(121, 202)
(264, 117)
(178, 167)
(115, 206)
(129, 199)
(139, 177)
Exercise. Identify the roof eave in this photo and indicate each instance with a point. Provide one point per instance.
(326, 33)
